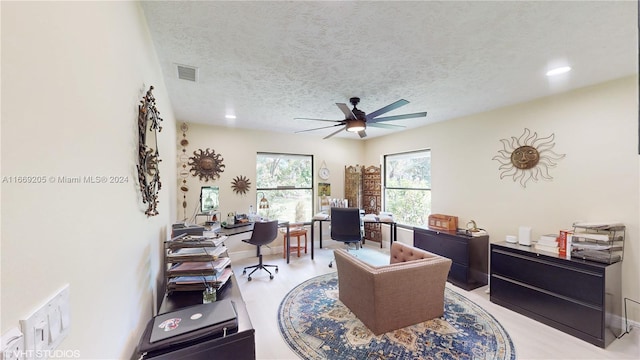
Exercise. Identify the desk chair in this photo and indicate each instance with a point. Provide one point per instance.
(263, 233)
(346, 227)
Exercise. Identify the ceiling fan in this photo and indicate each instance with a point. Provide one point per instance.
(357, 121)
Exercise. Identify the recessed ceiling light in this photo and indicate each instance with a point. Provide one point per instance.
(558, 71)
(229, 116)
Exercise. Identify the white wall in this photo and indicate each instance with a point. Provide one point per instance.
(73, 74)
(239, 147)
(598, 180)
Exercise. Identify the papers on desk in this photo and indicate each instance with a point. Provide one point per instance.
(199, 282)
(194, 268)
(383, 217)
(195, 242)
(196, 254)
(605, 225)
(370, 218)
(320, 216)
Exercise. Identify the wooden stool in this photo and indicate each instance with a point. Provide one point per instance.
(297, 232)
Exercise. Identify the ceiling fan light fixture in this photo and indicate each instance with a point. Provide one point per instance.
(356, 125)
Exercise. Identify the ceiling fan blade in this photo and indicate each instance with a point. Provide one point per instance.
(333, 133)
(362, 134)
(397, 117)
(347, 112)
(386, 109)
(339, 121)
(386, 126)
(324, 127)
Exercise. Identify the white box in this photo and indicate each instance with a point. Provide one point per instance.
(524, 235)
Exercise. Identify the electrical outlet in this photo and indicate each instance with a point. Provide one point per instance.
(48, 325)
(12, 345)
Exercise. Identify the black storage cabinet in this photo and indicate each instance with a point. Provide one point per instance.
(578, 297)
(469, 255)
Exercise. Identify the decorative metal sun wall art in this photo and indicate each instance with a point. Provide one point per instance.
(240, 185)
(148, 156)
(527, 157)
(206, 164)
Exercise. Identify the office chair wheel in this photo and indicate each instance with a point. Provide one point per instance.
(276, 270)
(244, 272)
(271, 277)
(249, 278)
(330, 265)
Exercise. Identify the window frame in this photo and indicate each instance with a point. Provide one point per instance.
(285, 187)
(385, 186)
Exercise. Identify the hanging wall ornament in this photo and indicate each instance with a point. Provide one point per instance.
(183, 173)
(206, 164)
(148, 156)
(240, 185)
(527, 157)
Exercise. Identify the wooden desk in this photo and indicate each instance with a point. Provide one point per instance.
(393, 231)
(248, 228)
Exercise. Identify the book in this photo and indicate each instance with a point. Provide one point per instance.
(548, 240)
(551, 249)
(562, 242)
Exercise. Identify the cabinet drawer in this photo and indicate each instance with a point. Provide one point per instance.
(443, 245)
(458, 275)
(582, 285)
(548, 308)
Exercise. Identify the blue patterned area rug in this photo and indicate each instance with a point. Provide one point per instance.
(316, 325)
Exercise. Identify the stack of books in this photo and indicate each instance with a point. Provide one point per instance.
(548, 243)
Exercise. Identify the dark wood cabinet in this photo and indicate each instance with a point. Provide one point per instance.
(469, 255)
(237, 345)
(578, 297)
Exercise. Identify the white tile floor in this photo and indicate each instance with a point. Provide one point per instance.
(532, 340)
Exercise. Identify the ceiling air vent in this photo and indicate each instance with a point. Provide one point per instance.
(189, 73)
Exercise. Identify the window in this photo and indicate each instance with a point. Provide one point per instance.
(286, 181)
(407, 186)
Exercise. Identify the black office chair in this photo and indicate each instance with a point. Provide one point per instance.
(263, 233)
(346, 227)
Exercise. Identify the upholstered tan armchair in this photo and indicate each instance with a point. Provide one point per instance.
(408, 291)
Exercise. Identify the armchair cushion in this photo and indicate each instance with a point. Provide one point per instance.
(408, 291)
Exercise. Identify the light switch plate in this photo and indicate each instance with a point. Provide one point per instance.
(46, 327)
(12, 346)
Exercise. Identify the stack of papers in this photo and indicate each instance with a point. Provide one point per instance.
(320, 216)
(199, 282)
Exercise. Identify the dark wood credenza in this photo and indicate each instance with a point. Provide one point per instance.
(469, 255)
(579, 297)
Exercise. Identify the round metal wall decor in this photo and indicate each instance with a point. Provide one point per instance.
(527, 157)
(240, 185)
(206, 164)
(148, 156)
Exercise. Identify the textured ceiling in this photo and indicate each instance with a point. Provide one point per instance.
(269, 62)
